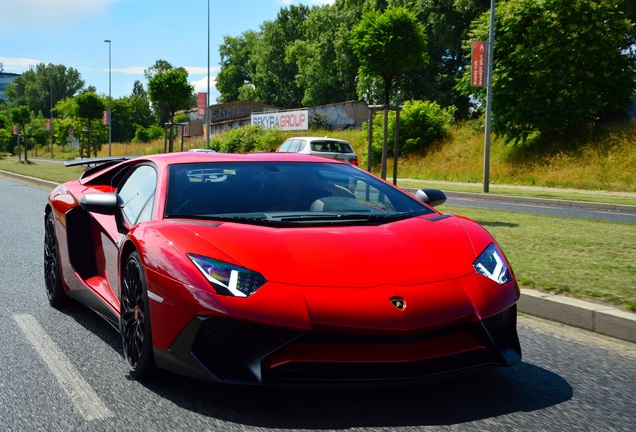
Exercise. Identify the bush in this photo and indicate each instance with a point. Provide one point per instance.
(318, 121)
(248, 139)
(421, 123)
(181, 118)
(148, 134)
(142, 134)
(156, 132)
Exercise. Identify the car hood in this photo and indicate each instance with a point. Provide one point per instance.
(409, 252)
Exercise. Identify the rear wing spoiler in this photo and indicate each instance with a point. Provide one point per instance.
(100, 164)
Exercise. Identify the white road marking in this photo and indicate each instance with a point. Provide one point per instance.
(83, 396)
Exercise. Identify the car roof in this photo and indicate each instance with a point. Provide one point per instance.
(314, 138)
(196, 157)
(163, 160)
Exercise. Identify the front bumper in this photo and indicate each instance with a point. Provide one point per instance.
(238, 352)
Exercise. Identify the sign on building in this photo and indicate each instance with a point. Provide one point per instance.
(283, 120)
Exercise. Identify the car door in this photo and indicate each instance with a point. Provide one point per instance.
(137, 192)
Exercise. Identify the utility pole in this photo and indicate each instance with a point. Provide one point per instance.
(207, 101)
(50, 68)
(110, 121)
(491, 43)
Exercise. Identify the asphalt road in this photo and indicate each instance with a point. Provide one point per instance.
(63, 370)
(544, 208)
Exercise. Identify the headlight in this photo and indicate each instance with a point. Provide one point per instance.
(228, 279)
(492, 265)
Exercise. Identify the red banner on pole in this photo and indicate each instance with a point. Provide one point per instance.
(48, 124)
(15, 129)
(203, 99)
(478, 64)
(105, 118)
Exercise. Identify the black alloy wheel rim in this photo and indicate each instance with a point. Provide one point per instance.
(51, 269)
(133, 314)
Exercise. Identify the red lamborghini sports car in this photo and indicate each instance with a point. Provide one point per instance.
(266, 269)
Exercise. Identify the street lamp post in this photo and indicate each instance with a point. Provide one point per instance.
(51, 106)
(491, 44)
(207, 99)
(110, 121)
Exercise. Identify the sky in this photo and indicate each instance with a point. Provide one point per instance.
(72, 33)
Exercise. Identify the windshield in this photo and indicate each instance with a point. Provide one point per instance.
(285, 192)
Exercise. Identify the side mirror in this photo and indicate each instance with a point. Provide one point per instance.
(432, 197)
(102, 203)
(107, 204)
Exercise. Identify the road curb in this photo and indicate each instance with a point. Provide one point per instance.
(596, 318)
(573, 312)
(27, 179)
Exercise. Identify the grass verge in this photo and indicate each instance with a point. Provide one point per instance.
(576, 257)
(623, 198)
(55, 172)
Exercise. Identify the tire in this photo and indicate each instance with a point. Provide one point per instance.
(52, 275)
(134, 321)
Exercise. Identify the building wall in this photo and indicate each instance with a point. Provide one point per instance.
(6, 78)
(232, 115)
(345, 115)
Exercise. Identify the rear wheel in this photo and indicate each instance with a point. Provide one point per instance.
(52, 275)
(134, 323)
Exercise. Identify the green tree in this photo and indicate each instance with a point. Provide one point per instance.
(560, 65)
(237, 67)
(275, 77)
(90, 107)
(130, 112)
(140, 105)
(33, 88)
(66, 112)
(159, 66)
(326, 65)
(22, 116)
(171, 90)
(388, 44)
(447, 23)
(36, 130)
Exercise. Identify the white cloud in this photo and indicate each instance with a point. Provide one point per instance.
(200, 70)
(130, 70)
(139, 70)
(311, 2)
(202, 84)
(17, 65)
(16, 14)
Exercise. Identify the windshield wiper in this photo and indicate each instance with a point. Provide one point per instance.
(348, 217)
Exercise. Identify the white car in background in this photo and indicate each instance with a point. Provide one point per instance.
(321, 146)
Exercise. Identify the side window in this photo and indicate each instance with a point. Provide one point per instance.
(138, 193)
(285, 146)
(301, 145)
(291, 146)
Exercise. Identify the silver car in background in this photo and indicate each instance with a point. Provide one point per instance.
(321, 146)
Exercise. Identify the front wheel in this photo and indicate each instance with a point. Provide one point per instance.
(134, 322)
(52, 274)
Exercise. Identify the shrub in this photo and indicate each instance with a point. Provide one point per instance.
(421, 123)
(248, 139)
(318, 121)
(142, 134)
(148, 134)
(181, 118)
(155, 132)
